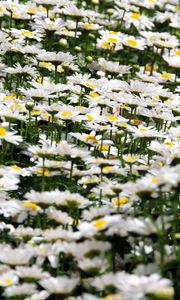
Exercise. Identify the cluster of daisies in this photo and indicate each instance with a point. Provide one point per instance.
(89, 150)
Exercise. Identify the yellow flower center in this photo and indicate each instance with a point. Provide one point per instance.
(13, 5)
(100, 223)
(15, 105)
(135, 16)
(45, 172)
(113, 297)
(90, 85)
(65, 30)
(16, 168)
(154, 180)
(113, 32)
(9, 97)
(32, 10)
(130, 158)
(92, 139)
(47, 116)
(122, 124)
(14, 15)
(136, 122)
(2, 131)
(35, 112)
(166, 75)
(27, 33)
(104, 147)
(31, 205)
(89, 117)
(149, 67)
(51, 23)
(82, 108)
(112, 118)
(60, 69)
(112, 40)
(45, 64)
(104, 127)
(67, 114)
(169, 143)
(120, 201)
(93, 94)
(88, 26)
(107, 168)
(132, 43)
(177, 52)
(9, 281)
(143, 129)
(107, 45)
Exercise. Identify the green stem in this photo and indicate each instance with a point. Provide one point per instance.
(43, 176)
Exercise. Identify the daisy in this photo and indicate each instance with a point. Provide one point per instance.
(26, 232)
(58, 198)
(68, 113)
(82, 79)
(170, 43)
(137, 86)
(46, 2)
(39, 296)
(13, 112)
(130, 158)
(55, 57)
(24, 289)
(89, 26)
(26, 34)
(61, 285)
(93, 266)
(162, 17)
(58, 216)
(44, 25)
(17, 256)
(45, 149)
(8, 278)
(91, 139)
(66, 150)
(141, 22)
(32, 273)
(144, 284)
(173, 61)
(175, 23)
(9, 136)
(94, 213)
(26, 70)
(73, 11)
(143, 131)
(110, 66)
(31, 8)
(133, 42)
(37, 94)
(109, 43)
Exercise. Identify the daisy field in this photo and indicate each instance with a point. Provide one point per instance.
(89, 150)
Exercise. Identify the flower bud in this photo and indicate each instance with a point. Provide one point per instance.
(110, 11)
(89, 58)
(77, 49)
(164, 293)
(30, 105)
(63, 42)
(95, 2)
